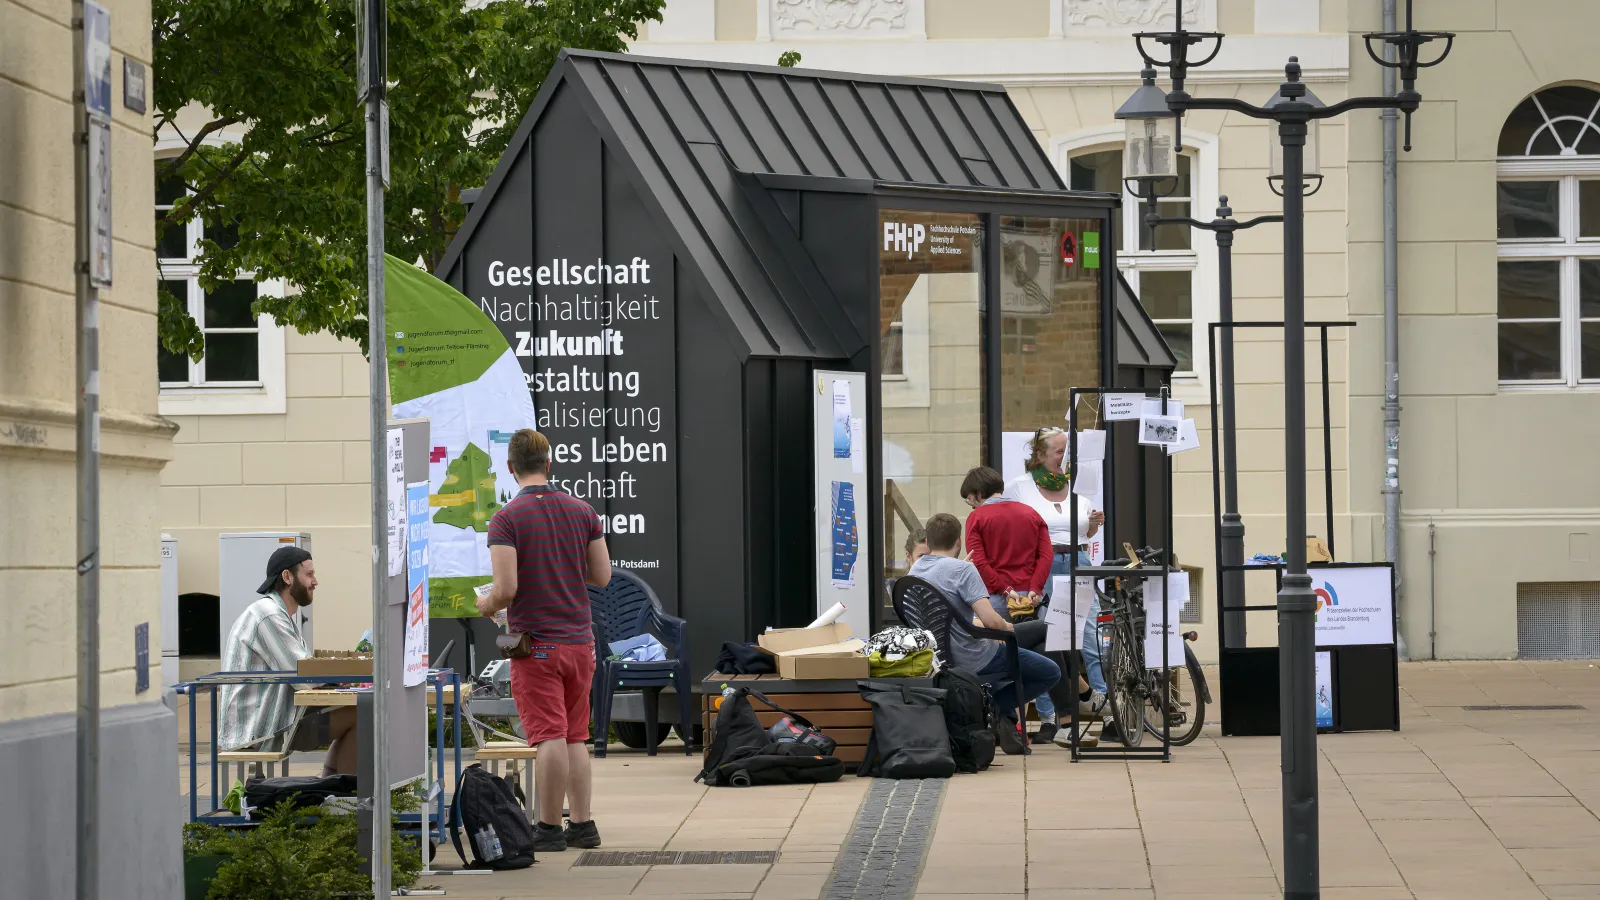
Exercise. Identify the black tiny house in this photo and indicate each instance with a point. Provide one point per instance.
(673, 248)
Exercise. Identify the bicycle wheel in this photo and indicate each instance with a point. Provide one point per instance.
(1180, 702)
(1124, 674)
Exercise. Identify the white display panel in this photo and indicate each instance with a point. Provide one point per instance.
(839, 494)
(1355, 604)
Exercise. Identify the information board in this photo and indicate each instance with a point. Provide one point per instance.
(839, 429)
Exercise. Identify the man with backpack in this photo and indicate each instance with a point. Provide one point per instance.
(544, 545)
(964, 588)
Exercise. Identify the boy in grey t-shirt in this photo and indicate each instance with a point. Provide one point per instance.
(961, 584)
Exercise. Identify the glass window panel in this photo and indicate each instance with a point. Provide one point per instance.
(1589, 288)
(1166, 295)
(1589, 208)
(1590, 338)
(1567, 132)
(1100, 171)
(171, 366)
(1589, 142)
(1530, 351)
(1180, 339)
(894, 350)
(229, 305)
(1051, 316)
(232, 357)
(172, 239)
(168, 190)
(224, 234)
(930, 285)
(1167, 237)
(1530, 289)
(1528, 209)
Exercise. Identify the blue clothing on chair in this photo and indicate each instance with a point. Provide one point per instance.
(640, 648)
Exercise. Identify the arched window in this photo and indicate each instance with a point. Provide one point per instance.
(1547, 220)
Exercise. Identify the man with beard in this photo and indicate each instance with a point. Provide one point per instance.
(267, 638)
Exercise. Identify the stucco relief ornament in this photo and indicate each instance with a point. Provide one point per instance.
(839, 15)
(1123, 13)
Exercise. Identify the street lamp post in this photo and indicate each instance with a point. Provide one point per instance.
(1232, 579)
(1296, 110)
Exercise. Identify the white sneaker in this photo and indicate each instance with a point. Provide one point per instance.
(1092, 707)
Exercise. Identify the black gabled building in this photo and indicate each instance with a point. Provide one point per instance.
(703, 238)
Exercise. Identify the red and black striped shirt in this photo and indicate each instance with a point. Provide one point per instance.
(551, 532)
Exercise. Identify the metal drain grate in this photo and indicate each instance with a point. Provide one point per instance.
(676, 858)
(882, 858)
(1558, 620)
(1532, 706)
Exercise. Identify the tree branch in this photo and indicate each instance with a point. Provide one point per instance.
(194, 144)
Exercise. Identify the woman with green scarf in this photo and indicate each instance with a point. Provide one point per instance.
(1047, 488)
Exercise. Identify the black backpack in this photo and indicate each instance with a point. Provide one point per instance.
(967, 718)
(498, 828)
(261, 794)
(909, 738)
(743, 754)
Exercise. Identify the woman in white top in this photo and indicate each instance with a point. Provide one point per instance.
(1047, 488)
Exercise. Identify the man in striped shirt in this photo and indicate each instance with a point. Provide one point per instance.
(544, 546)
(267, 638)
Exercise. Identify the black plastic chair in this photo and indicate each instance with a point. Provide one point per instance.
(623, 609)
(920, 604)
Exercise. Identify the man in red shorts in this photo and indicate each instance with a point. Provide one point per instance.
(544, 546)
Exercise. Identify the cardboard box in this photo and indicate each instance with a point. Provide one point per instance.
(841, 660)
(335, 666)
(810, 653)
(784, 640)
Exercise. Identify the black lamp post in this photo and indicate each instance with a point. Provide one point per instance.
(1296, 111)
(1223, 226)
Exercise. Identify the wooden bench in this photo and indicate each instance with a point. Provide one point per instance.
(513, 753)
(272, 759)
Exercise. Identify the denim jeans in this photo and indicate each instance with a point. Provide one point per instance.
(1038, 674)
(1090, 640)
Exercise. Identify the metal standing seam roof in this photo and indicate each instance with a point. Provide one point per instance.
(1139, 342)
(696, 131)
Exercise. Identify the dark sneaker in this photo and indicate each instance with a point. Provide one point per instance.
(1110, 732)
(1009, 736)
(582, 835)
(548, 838)
(1046, 733)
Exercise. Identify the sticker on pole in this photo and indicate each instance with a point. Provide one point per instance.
(1069, 249)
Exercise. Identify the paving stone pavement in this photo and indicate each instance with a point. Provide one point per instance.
(1461, 804)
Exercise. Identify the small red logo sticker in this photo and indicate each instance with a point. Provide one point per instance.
(1069, 249)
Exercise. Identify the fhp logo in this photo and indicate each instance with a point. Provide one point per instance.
(904, 236)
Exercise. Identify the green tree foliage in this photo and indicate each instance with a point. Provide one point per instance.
(789, 59)
(280, 156)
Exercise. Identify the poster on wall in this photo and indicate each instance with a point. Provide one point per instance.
(1164, 622)
(1324, 689)
(416, 660)
(448, 363)
(839, 494)
(846, 538)
(1355, 604)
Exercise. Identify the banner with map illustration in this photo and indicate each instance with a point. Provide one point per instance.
(450, 364)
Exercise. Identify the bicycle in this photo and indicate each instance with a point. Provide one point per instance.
(1138, 701)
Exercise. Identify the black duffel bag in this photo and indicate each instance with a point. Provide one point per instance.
(262, 794)
(742, 753)
(909, 738)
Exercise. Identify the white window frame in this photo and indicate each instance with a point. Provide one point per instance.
(1200, 259)
(266, 396)
(1566, 249)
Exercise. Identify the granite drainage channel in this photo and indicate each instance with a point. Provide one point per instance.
(882, 857)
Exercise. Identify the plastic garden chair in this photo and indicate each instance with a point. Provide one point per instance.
(623, 609)
(920, 604)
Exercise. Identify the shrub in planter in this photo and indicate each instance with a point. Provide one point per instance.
(286, 857)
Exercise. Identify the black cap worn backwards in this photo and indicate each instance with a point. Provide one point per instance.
(282, 560)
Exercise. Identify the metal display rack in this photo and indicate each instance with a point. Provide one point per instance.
(1366, 675)
(1164, 571)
